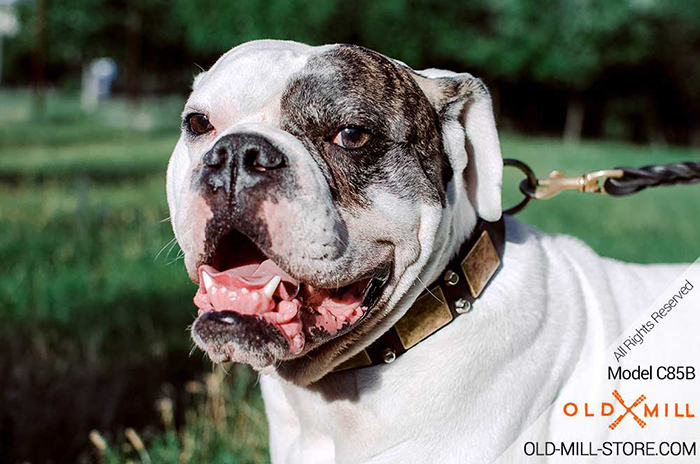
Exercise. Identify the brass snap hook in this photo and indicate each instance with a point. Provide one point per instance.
(587, 183)
(532, 187)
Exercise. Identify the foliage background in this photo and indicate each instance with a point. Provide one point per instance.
(595, 68)
(96, 364)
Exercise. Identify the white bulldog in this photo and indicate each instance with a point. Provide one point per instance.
(315, 192)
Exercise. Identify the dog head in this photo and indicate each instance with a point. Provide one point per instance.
(314, 189)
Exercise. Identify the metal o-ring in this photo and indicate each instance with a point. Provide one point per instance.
(527, 186)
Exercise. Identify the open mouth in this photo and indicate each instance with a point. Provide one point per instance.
(240, 279)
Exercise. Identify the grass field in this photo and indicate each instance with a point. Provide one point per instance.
(96, 303)
(655, 225)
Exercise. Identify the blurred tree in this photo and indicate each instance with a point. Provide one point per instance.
(222, 25)
(564, 44)
(569, 51)
(77, 31)
(39, 58)
(133, 21)
(74, 28)
(677, 46)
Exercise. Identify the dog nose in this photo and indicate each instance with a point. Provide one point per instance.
(262, 160)
(241, 157)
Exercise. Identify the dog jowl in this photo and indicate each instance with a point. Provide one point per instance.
(310, 190)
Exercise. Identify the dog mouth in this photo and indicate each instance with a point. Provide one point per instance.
(240, 282)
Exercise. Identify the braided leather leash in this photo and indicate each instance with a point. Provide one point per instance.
(636, 179)
(616, 182)
(481, 256)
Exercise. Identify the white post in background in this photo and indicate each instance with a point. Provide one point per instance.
(97, 82)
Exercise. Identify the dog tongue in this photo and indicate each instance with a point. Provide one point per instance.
(264, 290)
(250, 290)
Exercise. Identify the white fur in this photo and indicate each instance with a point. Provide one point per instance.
(488, 163)
(464, 394)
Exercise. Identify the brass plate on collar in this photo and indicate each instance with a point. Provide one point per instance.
(427, 315)
(480, 264)
(361, 359)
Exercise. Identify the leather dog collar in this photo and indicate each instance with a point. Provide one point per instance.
(451, 295)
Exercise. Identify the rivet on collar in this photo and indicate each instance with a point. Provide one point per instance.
(462, 306)
(451, 278)
(389, 356)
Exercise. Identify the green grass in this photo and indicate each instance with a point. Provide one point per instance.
(64, 123)
(83, 220)
(116, 159)
(227, 426)
(72, 248)
(656, 225)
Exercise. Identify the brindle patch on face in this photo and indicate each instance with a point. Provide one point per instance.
(464, 90)
(354, 86)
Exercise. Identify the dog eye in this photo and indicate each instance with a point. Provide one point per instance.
(198, 124)
(352, 138)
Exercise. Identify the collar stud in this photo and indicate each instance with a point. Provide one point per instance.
(388, 356)
(462, 306)
(451, 278)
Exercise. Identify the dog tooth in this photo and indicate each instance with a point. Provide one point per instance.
(271, 286)
(208, 281)
(297, 344)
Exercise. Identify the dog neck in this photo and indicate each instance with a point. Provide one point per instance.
(463, 280)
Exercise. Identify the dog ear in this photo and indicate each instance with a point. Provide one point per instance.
(463, 100)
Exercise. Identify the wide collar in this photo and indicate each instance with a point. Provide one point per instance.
(451, 295)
